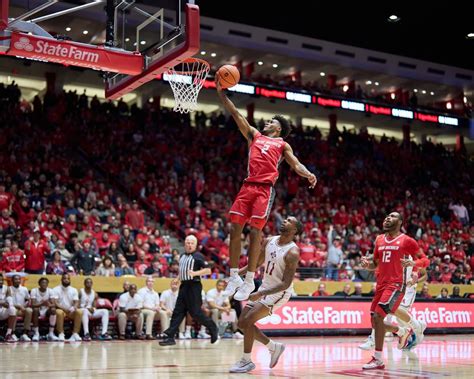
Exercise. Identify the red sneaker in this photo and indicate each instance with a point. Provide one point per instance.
(374, 364)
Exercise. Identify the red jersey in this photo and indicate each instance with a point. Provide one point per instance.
(265, 156)
(388, 254)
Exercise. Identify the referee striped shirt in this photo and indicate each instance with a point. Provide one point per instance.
(194, 262)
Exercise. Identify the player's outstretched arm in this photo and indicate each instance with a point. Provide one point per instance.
(291, 264)
(245, 128)
(298, 167)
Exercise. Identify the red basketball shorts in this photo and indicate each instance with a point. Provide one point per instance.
(387, 299)
(253, 205)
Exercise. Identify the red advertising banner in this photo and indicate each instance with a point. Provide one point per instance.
(75, 54)
(307, 315)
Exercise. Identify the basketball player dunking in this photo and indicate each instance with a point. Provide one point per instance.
(281, 257)
(391, 258)
(254, 201)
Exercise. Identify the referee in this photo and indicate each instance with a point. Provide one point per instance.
(191, 266)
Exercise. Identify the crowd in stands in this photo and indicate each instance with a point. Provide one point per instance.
(69, 165)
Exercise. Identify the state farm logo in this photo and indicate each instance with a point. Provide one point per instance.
(57, 52)
(24, 44)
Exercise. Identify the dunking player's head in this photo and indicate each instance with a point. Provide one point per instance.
(290, 227)
(190, 244)
(393, 222)
(278, 126)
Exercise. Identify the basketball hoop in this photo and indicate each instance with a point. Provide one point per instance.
(186, 80)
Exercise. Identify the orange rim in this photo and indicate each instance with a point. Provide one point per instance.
(205, 66)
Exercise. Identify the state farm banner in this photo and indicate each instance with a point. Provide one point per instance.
(332, 315)
(75, 54)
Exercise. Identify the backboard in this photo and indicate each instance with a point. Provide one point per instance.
(130, 41)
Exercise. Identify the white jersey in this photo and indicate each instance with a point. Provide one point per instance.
(275, 263)
(86, 299)
(38, 297)
(3, 293)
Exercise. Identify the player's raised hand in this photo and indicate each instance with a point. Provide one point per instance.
(312, 181)
(218, 84)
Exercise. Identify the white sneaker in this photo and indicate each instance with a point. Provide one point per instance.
(203, 335)
(276, 353)
(242, 366)
(244, 291)
(52, 337)
(182, 336)
(374, 364)
(187, 336)
(369, 344)
(233, 285)
(238, 336)
(14, 337)
(404, 339)
(74, 338)
(25, 338)
(61, 337)
(36, 337)
(418, 336)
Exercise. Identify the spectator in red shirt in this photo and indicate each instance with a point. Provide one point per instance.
(307, 253)
(141, 264)
(446, 275)
(135, 218)
(321, 290)
(458, 255)
(13, 258)
(425, 292)
(35, 252)
(213, 244)
(341, 217)
(6, 199)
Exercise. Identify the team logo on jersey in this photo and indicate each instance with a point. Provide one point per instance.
(273, 254)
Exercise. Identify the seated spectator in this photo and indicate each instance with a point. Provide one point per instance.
(43, 304)
(444, 294)
(65, 254)
(458, 277)
(122, 267)
(346, 291)
(446, 275)
(88, 299)
(307, 253)
(371, 293)
(141, 264)
(173, 270)
(424, 294)
(219, 304)
(151, 306)
(7, 311)
(130, 304)
(167, 303)
(56, 266)
(13, 258)
(114, 250)
(21, 298)
(84, 260)
(456, 293)
(106, 268)
(67, 306)
(155, 269)
(357, 290)
(321, 291)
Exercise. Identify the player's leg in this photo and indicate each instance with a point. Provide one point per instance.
(418, 327)
(103, 314)
(51, 314)
(240, 213)
(86, 315)
(377, 316)
(250, 315)
(35, 321)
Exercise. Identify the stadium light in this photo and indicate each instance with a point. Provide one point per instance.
(260, 63)
(393, 18)
(322, 73)
(449, 105)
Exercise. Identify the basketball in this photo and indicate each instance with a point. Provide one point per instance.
(229, 76)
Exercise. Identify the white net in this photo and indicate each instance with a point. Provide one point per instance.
(186, 80)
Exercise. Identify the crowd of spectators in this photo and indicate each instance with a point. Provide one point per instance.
(69, 166)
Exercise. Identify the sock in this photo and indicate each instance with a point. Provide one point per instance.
(247, 356)
(9, 331)
(36, 329)
(270, 345)
(234, 272)
(378, 355)
(414, 324)
(188, 328)
(203, 329)
(249, 276)
(52, 321)
(51, 330)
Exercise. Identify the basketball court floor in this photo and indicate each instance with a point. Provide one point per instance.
(305, 357)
